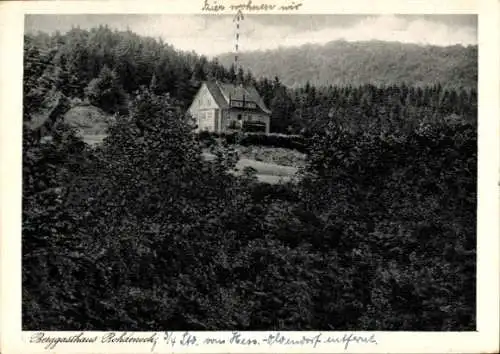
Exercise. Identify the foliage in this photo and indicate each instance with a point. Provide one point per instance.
(78, 58)
(379, 235)
(307, 109)
(406, 206)
(293, 142)
(106, 92)
(50, 228)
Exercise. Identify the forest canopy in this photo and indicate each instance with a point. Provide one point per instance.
(366, 62)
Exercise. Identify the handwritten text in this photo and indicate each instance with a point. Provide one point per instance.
(215, 6)
(161, 341)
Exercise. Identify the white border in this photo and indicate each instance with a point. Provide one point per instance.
(485, 339)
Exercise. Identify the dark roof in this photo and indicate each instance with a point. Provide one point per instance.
(223, 92)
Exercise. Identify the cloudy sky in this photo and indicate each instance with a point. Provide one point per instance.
(214, 34)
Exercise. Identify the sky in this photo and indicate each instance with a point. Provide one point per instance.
(212, 35)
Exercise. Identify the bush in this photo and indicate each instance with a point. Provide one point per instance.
(106, 92)
(405, 206)
(294, 142)
(143, 202)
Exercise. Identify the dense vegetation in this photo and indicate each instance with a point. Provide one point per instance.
(357, 63)
(142, 233)
(366, 107)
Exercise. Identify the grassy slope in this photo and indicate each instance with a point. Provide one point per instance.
(265, 172)
(92, 122)
(274, 155)
(265, 168)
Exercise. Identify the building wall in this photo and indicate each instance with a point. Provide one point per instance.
(204, 110)
(209, 117)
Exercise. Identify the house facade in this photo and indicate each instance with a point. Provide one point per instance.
(222, 107)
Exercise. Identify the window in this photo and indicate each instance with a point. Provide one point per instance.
(239, 116)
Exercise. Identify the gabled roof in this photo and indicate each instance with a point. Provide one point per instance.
(223, 92)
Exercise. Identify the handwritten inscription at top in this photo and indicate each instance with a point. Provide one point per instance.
(215, 6)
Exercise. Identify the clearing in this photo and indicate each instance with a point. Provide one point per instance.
(266, 172)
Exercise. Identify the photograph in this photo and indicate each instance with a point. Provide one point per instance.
(249, 172)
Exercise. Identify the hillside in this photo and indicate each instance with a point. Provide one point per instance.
(90, 122)
(357, 63)
(93, 66)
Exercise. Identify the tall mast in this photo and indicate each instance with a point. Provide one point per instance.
(237, 18)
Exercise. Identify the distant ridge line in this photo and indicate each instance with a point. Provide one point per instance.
(365, 62)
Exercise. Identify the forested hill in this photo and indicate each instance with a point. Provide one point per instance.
(357, 63)
(81, 61)
(105, 68)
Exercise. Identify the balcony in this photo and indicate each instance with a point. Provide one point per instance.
(243, 104)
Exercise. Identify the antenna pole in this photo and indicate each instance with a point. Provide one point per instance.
(237, 18)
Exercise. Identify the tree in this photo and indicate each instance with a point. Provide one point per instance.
(199, 73)
(106, 92)
(186, 88)
(232, 73)
(216, 71)
(240, 77)
(37, 80)
(249, 79)
(282, 108)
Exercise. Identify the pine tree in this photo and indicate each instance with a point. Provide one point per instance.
(199, 72)
(240, 77)
(282, 109)
(249, 79)
(232, 74)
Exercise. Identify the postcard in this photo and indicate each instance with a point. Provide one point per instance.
(250, 176)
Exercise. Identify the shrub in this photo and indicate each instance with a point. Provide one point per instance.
(405, 206)
(295, 142)
(106, 92)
